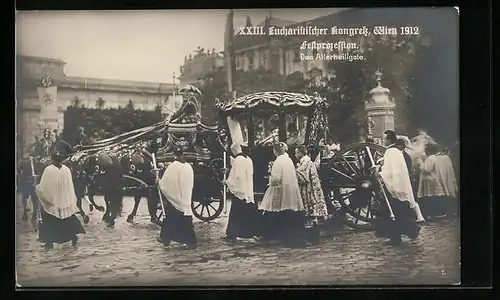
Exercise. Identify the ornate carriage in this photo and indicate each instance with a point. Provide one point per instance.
(260, 119)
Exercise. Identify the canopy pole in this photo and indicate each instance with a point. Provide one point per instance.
(251, 134)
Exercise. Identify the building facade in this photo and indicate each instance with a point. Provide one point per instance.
(276, 53)
(88, 92)
(197, 66)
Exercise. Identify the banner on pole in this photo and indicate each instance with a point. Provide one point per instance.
(49, 114)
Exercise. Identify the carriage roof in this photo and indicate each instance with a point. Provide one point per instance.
(268, 101)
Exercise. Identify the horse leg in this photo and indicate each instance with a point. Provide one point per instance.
(115, 206)
(152, 207)
(24, 200)
(36, 208)
(137, 200)
(92, 201)
(105, 216)
(79, 198)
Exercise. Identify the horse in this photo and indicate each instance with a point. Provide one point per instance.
(139, 165)
(105, 172)
(25, 186)
(83, 175)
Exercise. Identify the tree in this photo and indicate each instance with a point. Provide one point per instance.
(100, 103)
(130, 105)
(396, 57)
(214, 85)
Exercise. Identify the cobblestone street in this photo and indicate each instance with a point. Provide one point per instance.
(129, 255)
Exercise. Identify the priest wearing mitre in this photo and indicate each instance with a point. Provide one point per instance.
(394, 174)
(282, 206)
(56, 195)
(177, 187)
(243, 216)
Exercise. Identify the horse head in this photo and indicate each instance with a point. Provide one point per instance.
(135, 162)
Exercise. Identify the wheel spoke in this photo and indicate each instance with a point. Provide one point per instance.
(343, 174)
(346, 195)
(356, 221)
(370, 154)
(197, 206)
(202, 210)
(208, 210)
(350, 167)
(368, 211)
(210, 204)
(358, 213)
(361, 165)
(344, 185)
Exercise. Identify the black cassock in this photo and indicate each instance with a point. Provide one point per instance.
(243, 219)
(177, 227)
(55, 230)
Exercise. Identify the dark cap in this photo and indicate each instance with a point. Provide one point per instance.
(391, 135)
(178, 151)
(56, 156)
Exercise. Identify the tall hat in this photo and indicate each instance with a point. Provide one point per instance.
(236, 148)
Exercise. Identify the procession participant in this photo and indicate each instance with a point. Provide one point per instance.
(243, 216)
(56, 194)
(311, 193)
(283, 210)
(329, 149)
(293, 135)
(177, 187)
(446, 175)
(401, 145)
(430, 189)
(395, 177)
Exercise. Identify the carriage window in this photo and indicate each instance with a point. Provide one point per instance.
(265, 130)
(244, 130)
(296, 128)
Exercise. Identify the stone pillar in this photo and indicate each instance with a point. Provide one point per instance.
(380, 110)
(256, 59)
(281, 57)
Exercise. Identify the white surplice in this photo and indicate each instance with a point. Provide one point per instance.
(283, 192)
(396, 178)
(240, 179)
(446, 175)
(56, 192)
(177, 186)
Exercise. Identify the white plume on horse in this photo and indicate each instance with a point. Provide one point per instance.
(190, 89)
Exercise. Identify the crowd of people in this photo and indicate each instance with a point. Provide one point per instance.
(293, 205)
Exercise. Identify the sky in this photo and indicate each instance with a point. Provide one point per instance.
(133, 45)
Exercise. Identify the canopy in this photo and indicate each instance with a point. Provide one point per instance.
(268, 100)
(129, 139)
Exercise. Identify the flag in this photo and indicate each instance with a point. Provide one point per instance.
(228, 52)
(48, 106)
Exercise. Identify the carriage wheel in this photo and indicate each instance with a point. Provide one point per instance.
(352, 185)
(208, 208)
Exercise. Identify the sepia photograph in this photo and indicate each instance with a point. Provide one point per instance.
(237, 147)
